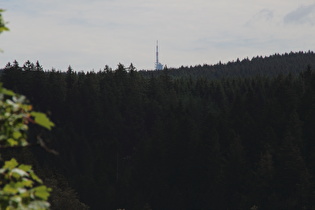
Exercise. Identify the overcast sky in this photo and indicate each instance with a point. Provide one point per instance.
(88, 34)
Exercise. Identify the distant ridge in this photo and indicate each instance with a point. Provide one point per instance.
(293, 62)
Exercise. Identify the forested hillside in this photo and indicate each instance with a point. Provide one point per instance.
(229, 136)
(267, 66)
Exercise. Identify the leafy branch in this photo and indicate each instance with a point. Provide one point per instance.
(20, 187)
(2, 23)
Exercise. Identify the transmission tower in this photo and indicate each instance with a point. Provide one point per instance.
(158, 65)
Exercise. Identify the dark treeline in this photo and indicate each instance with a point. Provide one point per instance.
(133, 141)
(267, 66)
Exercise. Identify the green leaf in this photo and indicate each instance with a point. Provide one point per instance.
(10, 164)
(42, 192)
(16, 199)
(40, 205)
(20, 172)
(8, 92)
(43, 120)
(25, 167)
(12, 142)
(10, 189)
(35, 177)
(17, 134)
(2, 170)
(4, 28)
(27, 183)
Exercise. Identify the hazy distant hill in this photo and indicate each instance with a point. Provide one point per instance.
(268, 66)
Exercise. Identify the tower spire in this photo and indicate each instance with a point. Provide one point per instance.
(157, 51)
(158, 65)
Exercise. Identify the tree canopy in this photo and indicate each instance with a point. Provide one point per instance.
(141, 140)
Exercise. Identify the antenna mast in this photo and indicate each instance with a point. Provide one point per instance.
(157, 51)
(158, 65)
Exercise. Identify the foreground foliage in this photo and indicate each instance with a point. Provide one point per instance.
(20, 187)
(2, 22)
(3, 26)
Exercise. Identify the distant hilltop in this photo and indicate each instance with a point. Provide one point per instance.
(293, 62)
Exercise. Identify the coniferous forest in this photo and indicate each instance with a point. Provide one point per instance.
(239, 135)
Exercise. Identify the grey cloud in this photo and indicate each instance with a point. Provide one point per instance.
(263, 15)
(302, 15)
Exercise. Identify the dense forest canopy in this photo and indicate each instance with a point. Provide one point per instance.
(229, 136)
(267, 66)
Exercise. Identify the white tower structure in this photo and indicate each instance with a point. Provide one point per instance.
(158, 65)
